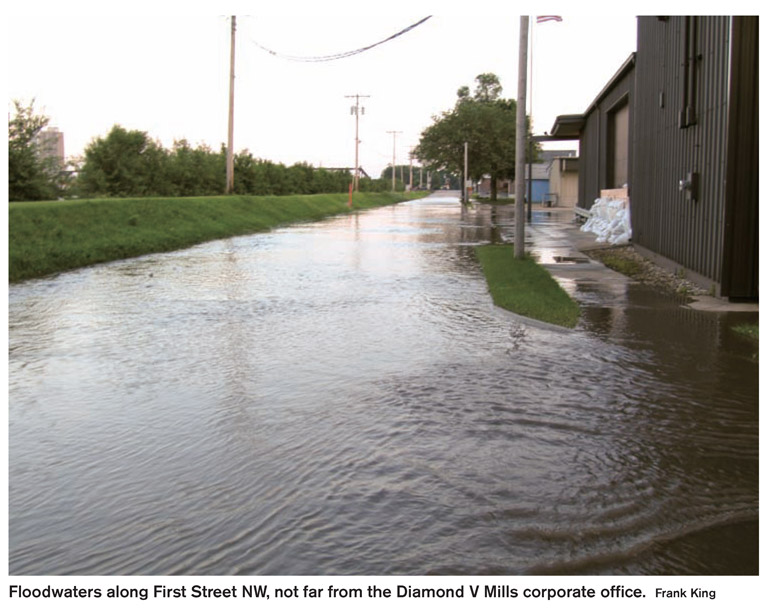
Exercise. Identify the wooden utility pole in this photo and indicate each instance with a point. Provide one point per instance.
(357, 110)
(229, 158)
(521, 144)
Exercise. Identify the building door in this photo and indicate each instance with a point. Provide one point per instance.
(617, 154)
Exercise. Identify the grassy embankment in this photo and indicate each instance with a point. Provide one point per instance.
(49, 237)
(525, 287)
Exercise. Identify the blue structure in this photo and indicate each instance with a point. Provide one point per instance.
(540, 188)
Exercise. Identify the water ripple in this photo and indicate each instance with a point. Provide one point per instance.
(343, 398)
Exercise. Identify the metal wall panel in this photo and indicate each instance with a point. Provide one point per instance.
(665, 220)
(588, 182)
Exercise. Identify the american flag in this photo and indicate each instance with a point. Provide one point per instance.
(545, 18)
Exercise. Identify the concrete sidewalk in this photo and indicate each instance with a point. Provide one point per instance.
(559, 245)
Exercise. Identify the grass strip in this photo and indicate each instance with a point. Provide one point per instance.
(525, 287)
(748, 330)
(628, 267)
(53, 236)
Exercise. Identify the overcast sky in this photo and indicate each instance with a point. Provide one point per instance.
(167, 73)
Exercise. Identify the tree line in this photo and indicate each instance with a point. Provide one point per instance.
(128, 163)
(131, 164)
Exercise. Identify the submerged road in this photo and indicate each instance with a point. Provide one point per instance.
(343, 398)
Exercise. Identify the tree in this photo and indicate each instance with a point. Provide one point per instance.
(487, 122)
(30, 175)
(442, 143)
(488, 88)
(125, 163)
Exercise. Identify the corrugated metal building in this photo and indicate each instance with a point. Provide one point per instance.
(678, 124)
(604, 144)
(694, 190)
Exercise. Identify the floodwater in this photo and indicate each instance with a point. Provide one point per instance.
(343, 398)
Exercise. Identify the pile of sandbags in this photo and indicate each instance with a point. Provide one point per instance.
(610, 221)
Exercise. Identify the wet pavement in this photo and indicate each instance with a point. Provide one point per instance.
(560, 245)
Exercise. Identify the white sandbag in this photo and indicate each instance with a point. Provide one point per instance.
(610, 221)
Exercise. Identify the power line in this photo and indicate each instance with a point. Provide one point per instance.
(345, 54)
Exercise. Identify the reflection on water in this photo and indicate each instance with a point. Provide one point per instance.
(343, 398)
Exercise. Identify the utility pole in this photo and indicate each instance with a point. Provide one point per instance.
(357, 110)
(521, 144)
(410, 169)
(531, 79)
(394, 139)
(229, 158)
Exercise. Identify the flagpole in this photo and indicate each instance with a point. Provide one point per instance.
(537, 20)
(532, 73)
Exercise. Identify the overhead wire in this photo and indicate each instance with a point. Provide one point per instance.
(343, 55)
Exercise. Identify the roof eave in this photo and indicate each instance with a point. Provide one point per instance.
(629, 64)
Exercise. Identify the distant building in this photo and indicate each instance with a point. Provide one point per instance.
(563, 182)
(50, 144)
(540, 185)
(504, 188)
(544, 190)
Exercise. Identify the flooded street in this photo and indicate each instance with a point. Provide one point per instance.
(343, 398)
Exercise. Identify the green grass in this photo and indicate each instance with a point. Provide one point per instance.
(749, 330)
(498, 201)
(53, 236)
(630, 268)
(526, 288)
